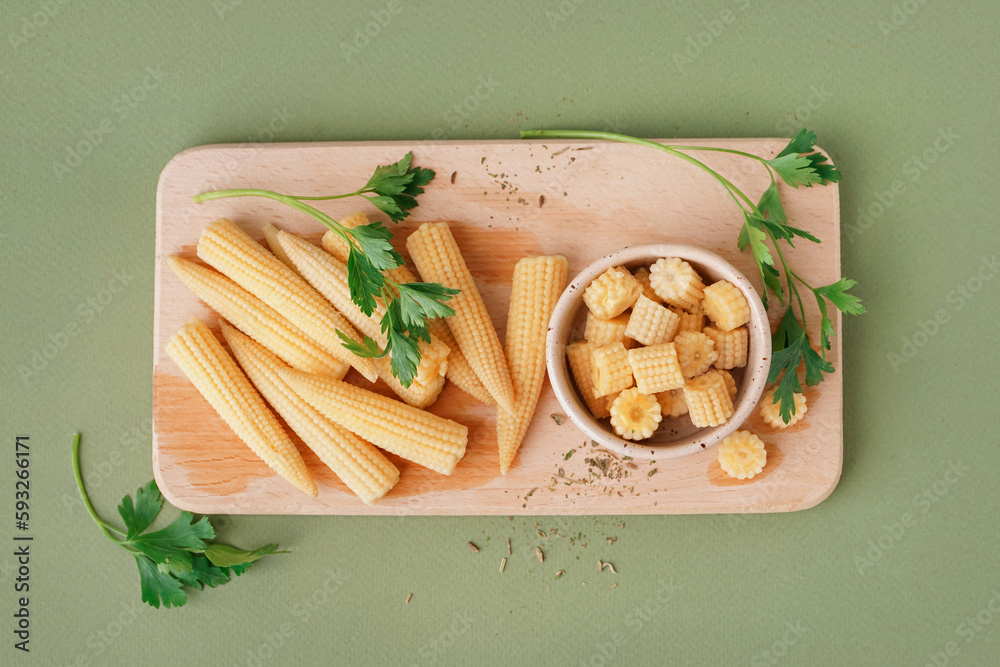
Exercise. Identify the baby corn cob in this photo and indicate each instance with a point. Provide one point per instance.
(707, 399)
(537, 284)
(230, 250)
(360, 465)
(604, 332)
(271, 236)
(634, 415)
(438, 259)
(217, 377)
(334, 244)
(257, 319)
(579, 356)
(731, 346)
(431, 441)
(329, 277)
(651, 323)
(726, 305)
(612, 293)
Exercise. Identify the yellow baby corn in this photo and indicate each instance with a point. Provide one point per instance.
(696, 352)
(217, 377)
(676, 282)
(731, 346)
(726, 305)
(610, 369)
(579, 356)
(634, 415)
(257, 319)
(537, 284)
(334, 244)
(771, 414)
(360, 465)
(612, 293)
(672, 403)
(642, 275)
(271, 236)
(230, 250)
(730, 382)
(656, 368)
(651, 323)
(329, 277)
(438, 259)
(708, 400)
(688, 321)
(742, 455)
(604, 332)
(416, 435)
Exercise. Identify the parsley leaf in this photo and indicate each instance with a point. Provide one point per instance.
(396, 187)
(798, 163)
(364, 281)
(147, 505)
(375, 242)
(368, 347)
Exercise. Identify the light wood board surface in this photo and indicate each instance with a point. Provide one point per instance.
(510, 199)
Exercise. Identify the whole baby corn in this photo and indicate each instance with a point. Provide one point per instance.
(360, 465)
(230, 250)
(579, 355)
(217, 377)
(257, 319)
(428, 440)
(537, 284)
(438, 259)
(612, 293)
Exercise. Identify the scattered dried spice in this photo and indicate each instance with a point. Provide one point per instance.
(453, 175)
(541, 556)
(408, 598)
(503, 564)
(602, 565)
(508, 546)
(651, 472)
(473, 547)
(569, 454)
(558, 419)
(560, 573)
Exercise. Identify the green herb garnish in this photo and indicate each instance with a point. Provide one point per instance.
(174, 557)
(797, 164)
(393, 189)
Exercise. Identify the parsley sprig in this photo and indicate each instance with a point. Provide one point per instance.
(393, 189)
(174, 557)
(797, 164)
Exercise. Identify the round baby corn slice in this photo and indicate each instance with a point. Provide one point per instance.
(726, 305)
(770, 411)
(612, 293)
(672, 403)
(742, 455)
(676, 282)
(695, 352)
(635, 416)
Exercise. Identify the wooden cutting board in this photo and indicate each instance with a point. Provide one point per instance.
(511, 199)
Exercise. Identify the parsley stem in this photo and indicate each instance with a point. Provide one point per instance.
(105, 527)
(284, 199)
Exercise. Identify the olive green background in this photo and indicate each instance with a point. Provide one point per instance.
(898, 566)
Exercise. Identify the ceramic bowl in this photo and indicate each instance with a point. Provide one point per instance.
(675, 437)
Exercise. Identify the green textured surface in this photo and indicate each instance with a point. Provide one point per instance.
(879, 82)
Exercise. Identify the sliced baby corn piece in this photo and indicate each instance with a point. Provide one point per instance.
(726, 305)
(656, 368)
(651, 323)
(770, 411)
(742, 455)
(334, 244)
(439, 260)
(642, 275)
(428, 440)
(604, 332)
(579, 356)
(707, 399)
(612, 293)
(731, 346)
(217, 377)
(360, 465)
(610, 369)
(537, 284)
(257, 319)
(688, 321)
(634, 415)
(230, 250)
(672, 403)
(271, 236)
(730, 382)
(676, 282)
(696, 352)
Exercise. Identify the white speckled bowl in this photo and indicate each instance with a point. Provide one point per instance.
(675, 437)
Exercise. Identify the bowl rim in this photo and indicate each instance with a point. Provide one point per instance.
(564, 315)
